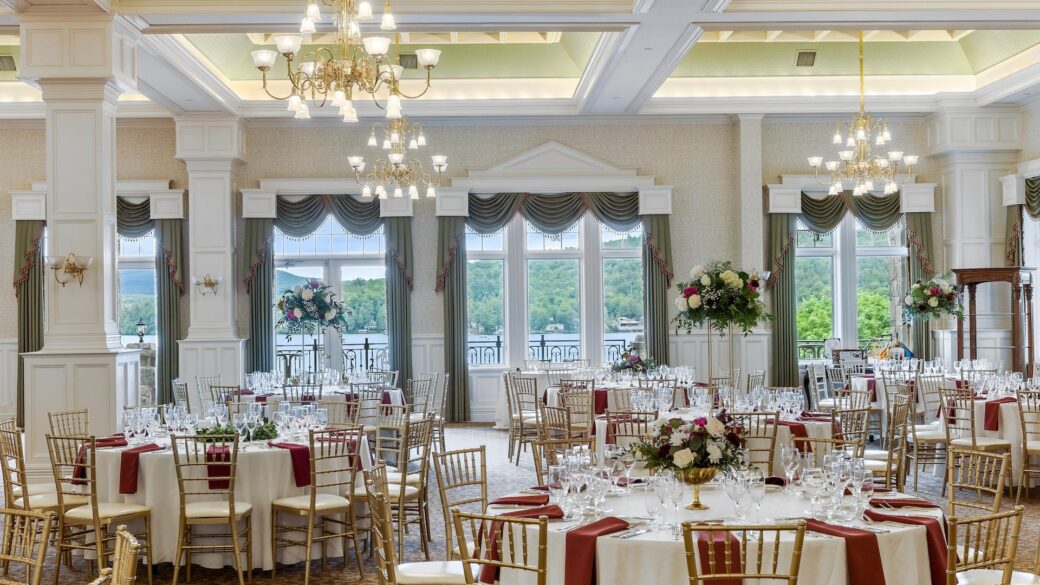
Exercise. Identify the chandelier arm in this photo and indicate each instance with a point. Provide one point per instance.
(817, 177)
(268, 91)
(415, 97)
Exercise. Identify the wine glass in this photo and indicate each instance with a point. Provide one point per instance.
(757, 490)
(628, 459)
(240, 422)
(128, 423)
(790, 458)
(654, 507)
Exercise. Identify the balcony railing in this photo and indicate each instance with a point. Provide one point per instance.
(539, 347)
(293, 358)
(812, 349)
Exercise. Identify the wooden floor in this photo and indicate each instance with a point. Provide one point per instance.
(503, 478)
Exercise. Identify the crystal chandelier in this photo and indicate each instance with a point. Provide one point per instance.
(856, 165)
(396, 173)
(354, 64)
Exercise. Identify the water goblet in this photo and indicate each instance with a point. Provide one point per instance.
(757, 491)
(790, 458)
(628, 459)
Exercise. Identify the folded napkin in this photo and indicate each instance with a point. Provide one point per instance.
(905, 502)
(877, 490)
(489, 573)
(218, 454)
(798, 430)
(724, 548)
(130, 464)
(935, 536)
(776, 480)
(624, 481)
(301, 461)
(245, 392)
(79, 472)
(540, 487)
(815, 414)
(862, 556)
(113, 441)
(581, 549)
(992, 422)
(531, 500)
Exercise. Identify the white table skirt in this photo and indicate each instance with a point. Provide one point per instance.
(655, 557)
(263, 475)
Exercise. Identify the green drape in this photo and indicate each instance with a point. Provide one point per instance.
(399, 284)
(1033, 197)
(657, 279)
(1014, 243)
(29, 272)
(300, 218)
(169, 280)
(451, 280)
(919, 245)
(133, 220)
(875, 213)
(784, 351)
(552, 214)
(258, 271)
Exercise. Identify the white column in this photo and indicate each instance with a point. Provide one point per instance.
(211, 147)
(81, 59)
(752, 222)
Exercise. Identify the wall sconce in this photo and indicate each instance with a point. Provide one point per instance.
(206, 284)
(141, 328)
(72, 266)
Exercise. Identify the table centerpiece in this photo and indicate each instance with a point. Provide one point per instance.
(933, 298)
(310, 308)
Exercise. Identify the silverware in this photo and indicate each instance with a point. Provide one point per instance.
(632, 533)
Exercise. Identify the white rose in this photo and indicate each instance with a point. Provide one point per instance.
(705, 280)
(682, 458)
(655, 427)
(697, 272)
(917, 286)
(737, 284)
(933, 302)
(909, 300)
(297, 313)
(307, 294)
(715, 427)
(680, 303)
(676, 439)
(714, 453)
(946, 288)
(298, 290)
(694, 301)
(330, 314)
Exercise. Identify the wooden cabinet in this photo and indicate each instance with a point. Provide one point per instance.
(1021, 281)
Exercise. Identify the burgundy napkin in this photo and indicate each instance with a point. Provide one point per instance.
(624, 481)
(599, 400)
(936, 538)
(531, 500)
(861, 552)
(907, 502)
(723, 543)
(301, 461)
(218, 454)
(815, 414)
(113, 441)
(543, 488)
(130, 464)
(489, 573)
(776, 480)
(581, 549)
(245, 392)
(798, 430)
(992, 422)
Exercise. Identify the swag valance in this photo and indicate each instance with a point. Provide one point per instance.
(1033, 197)
(133, 220)
(875, 213)
(301, 217)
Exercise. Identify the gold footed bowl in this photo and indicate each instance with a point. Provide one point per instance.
(696, 477)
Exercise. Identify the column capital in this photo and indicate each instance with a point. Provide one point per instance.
(964, 128)
(78, 43)
(209, 137)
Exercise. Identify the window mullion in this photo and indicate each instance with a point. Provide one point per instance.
(847, 271)
(591, 290)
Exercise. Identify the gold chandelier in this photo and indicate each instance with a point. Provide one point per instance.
(354, 64)
(856, 165)
(396, 173)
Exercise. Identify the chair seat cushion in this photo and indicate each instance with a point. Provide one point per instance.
(875, 465)
(215, 509)
(994, 577)
(50, 501)
(1033, 447)
(827, 403)
(432, 572)
(34, 488)
(106, 511)
(410, 492)
(876, 454)
(322, 502)
(930, 427)
(395, 477)
(933, 436)
(984, 443)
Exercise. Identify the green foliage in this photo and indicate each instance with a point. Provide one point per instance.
(484, 296)
(622, 290)
(134, 307)
(365, 298)
(815, 296)
(552, 295)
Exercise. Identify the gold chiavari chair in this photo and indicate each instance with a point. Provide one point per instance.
(580, 405)
(440, 402)
(408, 500)
(180, 394)
(981, 550)
(72, 423)
(727, 564)
(850, 426)
(419, 397)
(983, 473)
(679, 399)
(524, 550)
(567, 384)
(302, 392)
(462, 481)
(387, 377)
(546, 452)
(202, 384)
(619, 399)
(85, 523)
(625, 427)
(124, 561)
(928, 439)
(16, 480)
(370, 404)
(838, 383)
(730, 378)
(556, 423)
(513, 412)
(818, 387)
(224, 393)
(755, 379)
(389, 571)
(556, 371)
(1029, 421)
(526, 400)
(958, 406)
(206, 468)
(26, 533)
(821, 446)
(760, 430)
(342, 413)
(334, 463)
(893, 467)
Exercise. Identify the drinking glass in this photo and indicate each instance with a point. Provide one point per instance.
(556, 482)
(654, 507)
(240, 422)
(628, 459)
(128, 423)
(790, 458)
(757, 491)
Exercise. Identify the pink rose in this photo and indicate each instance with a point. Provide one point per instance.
(700, 421)
(690, 291)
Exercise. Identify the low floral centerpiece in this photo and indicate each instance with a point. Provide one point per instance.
(697, 449)
(718, 296)
(933, 298)
(310, 308)
(632, 361)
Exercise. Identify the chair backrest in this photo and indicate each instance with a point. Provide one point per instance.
(302, 392)
(1029, 416)
(12, 457)
(342, 413)
(760, 430)
(719, 564)
(124, 558)
(334, 460)
(625, 427)
(420, 395)
(414, 455)
(580, 404)
(755, 379)
(546, 452)
(180, 394)
(983, 542)
(569, 383)
(850, 426)
(818, 387)
(556, 371)
(69, 423)
(958, 410)
(838, 378)
(619, 398)
(525, 396)
(505, 542)
(387, 377)
(382, 524)
(202, 384)
(26, 536)
(370, 399)
(978, 473)
(72, 461)
(556, 423)
(899, 409)
(462, 481)
(927, 389)
(205, 466)
(725, 378)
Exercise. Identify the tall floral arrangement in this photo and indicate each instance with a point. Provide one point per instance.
(678, 444)
(718, 295)
(310, 307)
(935, 297)
(631, 360)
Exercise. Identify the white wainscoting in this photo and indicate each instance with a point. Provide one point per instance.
(427, 353)
(485, 384)
(751, 352)
(945, 342)
(8, 377)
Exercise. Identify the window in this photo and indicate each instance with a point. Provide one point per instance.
(557, 297)
(137, 300)
(355, 266)
(848, 286)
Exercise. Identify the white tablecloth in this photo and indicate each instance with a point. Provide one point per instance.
(263, 475)
(655, 557)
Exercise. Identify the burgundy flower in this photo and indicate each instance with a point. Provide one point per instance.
(315, 283)
(690, 291)
(700, 421)
(922, 307)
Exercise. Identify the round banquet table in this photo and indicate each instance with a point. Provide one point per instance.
(263, 474)
(814, 429)
(655, 557)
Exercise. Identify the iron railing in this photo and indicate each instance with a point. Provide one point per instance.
(812, 349)
(293, 359)
(490, 351)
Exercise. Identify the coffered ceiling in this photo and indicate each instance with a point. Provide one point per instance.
(579, 58)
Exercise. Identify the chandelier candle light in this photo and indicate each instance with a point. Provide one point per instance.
(353, 64)
(396, 173)
(856, 165)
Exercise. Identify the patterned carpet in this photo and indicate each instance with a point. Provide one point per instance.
(504, 477)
